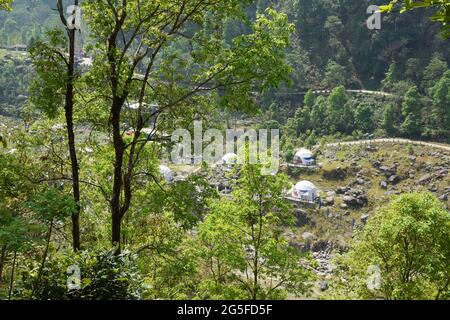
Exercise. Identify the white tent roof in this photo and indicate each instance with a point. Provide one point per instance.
(148, 130)
(230, 158)
(86, 62)
(305, 186)
(304, 153)
(135, 105)
(166, 172)
(58, 126)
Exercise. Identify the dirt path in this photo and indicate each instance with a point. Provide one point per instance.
(369, 92)
(377, 93)
(389, 140)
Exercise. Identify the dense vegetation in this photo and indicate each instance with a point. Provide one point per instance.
(84, 206)
(408, 241)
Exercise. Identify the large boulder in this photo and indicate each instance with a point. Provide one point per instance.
(388, 171)
(320, 245)
(341, 190)
(302, 218)
(335, 174)
(329, 201)
(308, 236)
(425, 179)
(323, 286)
(350, 200)
(364, 218)
(394, 179)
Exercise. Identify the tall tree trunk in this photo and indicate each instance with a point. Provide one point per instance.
(71, 138)
(2, 261)
(44, 258)
(11, 283)
(119, 149)
(69, 104)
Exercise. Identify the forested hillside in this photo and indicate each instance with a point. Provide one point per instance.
(330, 47)
(224, 150)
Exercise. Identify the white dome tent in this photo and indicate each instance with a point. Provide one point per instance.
(229, 159)
(305, 191)
(166, 173)
(304, 157)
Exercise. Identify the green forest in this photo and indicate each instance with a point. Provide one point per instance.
(347, 200)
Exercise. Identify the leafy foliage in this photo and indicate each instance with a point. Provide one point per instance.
(5, 4)
(441, 7)
(409, 241)
(242, 247)
(105, 275)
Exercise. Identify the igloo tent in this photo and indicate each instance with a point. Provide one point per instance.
(305, 157)
(166, 173)
(305, 191)
(229, 159)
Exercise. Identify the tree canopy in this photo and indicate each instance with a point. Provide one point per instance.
(441, 10)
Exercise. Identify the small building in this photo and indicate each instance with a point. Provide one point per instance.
(304, 157)
(86, 62)
(229, 159)
(135, 105)
(304, 191)
(19, 47)
(166, 173)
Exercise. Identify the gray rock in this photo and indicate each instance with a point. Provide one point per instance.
(350, 200)
(364, 199)
(394, 179)
(308, 236)
(323, 286)
(425, 179)
(329, 201)
(319, 245)
(364, 218)
(341, 190)
(388, 171)
(376, 164)
(383, 184)
(331, 194)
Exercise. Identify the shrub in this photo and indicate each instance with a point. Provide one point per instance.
(104, 275)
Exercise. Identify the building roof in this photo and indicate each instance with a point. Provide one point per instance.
(166, 172)
(305, 186)
(87, 62)
(304, 153)
(135, 106)
(230, 158)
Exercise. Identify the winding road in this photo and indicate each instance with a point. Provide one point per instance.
(390, 140)
(369, 92)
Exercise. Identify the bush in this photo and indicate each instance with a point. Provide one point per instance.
(406, 246)
(104, 275)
